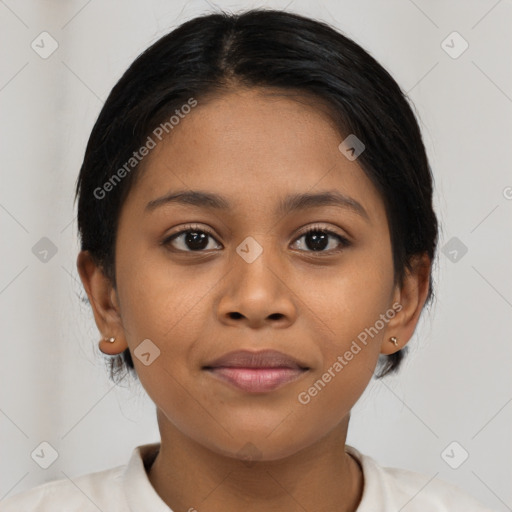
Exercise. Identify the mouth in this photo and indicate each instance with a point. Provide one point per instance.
(256, 372)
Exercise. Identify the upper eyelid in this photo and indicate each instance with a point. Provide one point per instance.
(302, 231)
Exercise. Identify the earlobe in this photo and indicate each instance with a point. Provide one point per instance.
(411, 296)
(106, 312)
(112, 346)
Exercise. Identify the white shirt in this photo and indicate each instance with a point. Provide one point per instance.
(127, 489)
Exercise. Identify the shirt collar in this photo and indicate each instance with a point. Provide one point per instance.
(375, 489)
(140, 494)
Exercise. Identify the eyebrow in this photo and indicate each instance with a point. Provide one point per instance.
(289, 204)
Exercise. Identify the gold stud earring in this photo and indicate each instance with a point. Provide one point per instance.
(110, 340)
(394, 341)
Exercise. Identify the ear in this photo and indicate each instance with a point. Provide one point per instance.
(408, 302)
(103, 298)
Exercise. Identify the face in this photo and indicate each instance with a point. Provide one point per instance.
(248, 276)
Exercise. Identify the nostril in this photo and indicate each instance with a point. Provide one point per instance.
(235, 315)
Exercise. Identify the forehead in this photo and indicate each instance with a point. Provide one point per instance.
(254, 145)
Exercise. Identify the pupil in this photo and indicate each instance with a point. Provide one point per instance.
(318, 241)
(196, 240)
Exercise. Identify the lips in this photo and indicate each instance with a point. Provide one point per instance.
(260, 359)
(256, 372)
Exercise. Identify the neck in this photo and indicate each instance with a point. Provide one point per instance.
(322, 477)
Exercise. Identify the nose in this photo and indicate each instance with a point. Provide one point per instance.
(257, 294)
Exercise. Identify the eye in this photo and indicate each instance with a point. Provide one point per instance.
(317, 239)
(191, 239)
(198, 239)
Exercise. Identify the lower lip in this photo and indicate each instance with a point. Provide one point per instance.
(257, 380)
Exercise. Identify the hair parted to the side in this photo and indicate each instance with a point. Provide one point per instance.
(214, 53)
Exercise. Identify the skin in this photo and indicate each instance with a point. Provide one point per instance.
(254, 148)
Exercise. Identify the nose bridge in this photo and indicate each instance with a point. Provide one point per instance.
(253, 263)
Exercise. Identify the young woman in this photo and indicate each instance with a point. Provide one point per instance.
(255, 212)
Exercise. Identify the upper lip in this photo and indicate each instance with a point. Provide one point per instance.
(259, 359)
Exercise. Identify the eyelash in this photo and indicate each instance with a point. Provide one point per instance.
(344, 243)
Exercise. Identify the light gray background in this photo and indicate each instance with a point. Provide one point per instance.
(456, 383)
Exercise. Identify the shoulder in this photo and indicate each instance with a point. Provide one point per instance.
(118, 489)
(422, 491)
(101, 490)
(394, 488)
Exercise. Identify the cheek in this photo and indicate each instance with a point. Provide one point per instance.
(350, 303)
(156, 308)
(164, 306)
(352, 296)
(158, 298)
